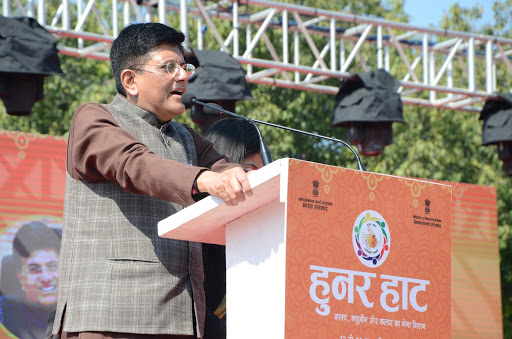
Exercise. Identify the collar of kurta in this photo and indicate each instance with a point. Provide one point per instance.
(130, 108)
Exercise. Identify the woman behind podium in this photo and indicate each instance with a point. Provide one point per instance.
(239, 140)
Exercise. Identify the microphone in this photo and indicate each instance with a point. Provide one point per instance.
(189, 98)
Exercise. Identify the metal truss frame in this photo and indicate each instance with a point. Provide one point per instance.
(437, 68)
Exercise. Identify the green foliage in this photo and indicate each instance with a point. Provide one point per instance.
(462, 19)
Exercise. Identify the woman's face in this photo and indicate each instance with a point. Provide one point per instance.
(253, 162)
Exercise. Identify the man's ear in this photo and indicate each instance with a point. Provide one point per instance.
(128, 77)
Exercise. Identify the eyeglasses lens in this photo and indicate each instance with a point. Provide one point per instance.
(172, 68)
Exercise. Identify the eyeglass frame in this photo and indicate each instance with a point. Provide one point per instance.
(182, 66)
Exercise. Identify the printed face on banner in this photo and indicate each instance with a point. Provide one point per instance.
(39, 276)
(365, 259)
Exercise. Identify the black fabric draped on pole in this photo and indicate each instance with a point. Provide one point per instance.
(28, 53)
(367, 104)
(497, 128)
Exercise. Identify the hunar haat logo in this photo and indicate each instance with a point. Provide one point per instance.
(371, 238)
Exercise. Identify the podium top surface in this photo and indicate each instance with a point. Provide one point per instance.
(205, 220)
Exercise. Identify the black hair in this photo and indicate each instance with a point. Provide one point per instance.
(32, 237)
(236, 138)
(133, 44)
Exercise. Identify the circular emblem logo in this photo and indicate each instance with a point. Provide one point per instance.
(371, 238)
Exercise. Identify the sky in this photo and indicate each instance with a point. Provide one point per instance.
(426, 13)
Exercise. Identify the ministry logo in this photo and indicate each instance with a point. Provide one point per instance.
(371, 238)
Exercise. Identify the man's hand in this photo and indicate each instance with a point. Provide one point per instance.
(229, 185)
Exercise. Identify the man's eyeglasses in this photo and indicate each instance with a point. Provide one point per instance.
(171, 67)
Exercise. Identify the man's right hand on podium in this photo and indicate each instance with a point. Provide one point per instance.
(232, 185)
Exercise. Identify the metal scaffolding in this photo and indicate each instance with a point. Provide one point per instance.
(295, 46)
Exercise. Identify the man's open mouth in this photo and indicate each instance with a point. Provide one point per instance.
(178, 92)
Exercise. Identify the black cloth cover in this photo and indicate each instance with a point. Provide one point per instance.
(497, 118)
(28, 53)
(26, 47)
(218, 76)
(368, 97)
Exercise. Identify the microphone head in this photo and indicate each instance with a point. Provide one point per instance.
(213, 111)
(188, 99)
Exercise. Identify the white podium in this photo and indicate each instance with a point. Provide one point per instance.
(326, 252)
(254, 237)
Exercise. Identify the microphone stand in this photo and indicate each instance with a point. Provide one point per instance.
(218, 110)
(266, 158)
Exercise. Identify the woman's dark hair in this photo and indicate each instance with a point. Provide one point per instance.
(135, 42)
(235, 138)
(32, 237)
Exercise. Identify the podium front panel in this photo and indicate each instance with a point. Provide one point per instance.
(255, 277)
(367, 255)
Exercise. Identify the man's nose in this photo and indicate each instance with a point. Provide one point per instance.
(182, 74)
(47, 274)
